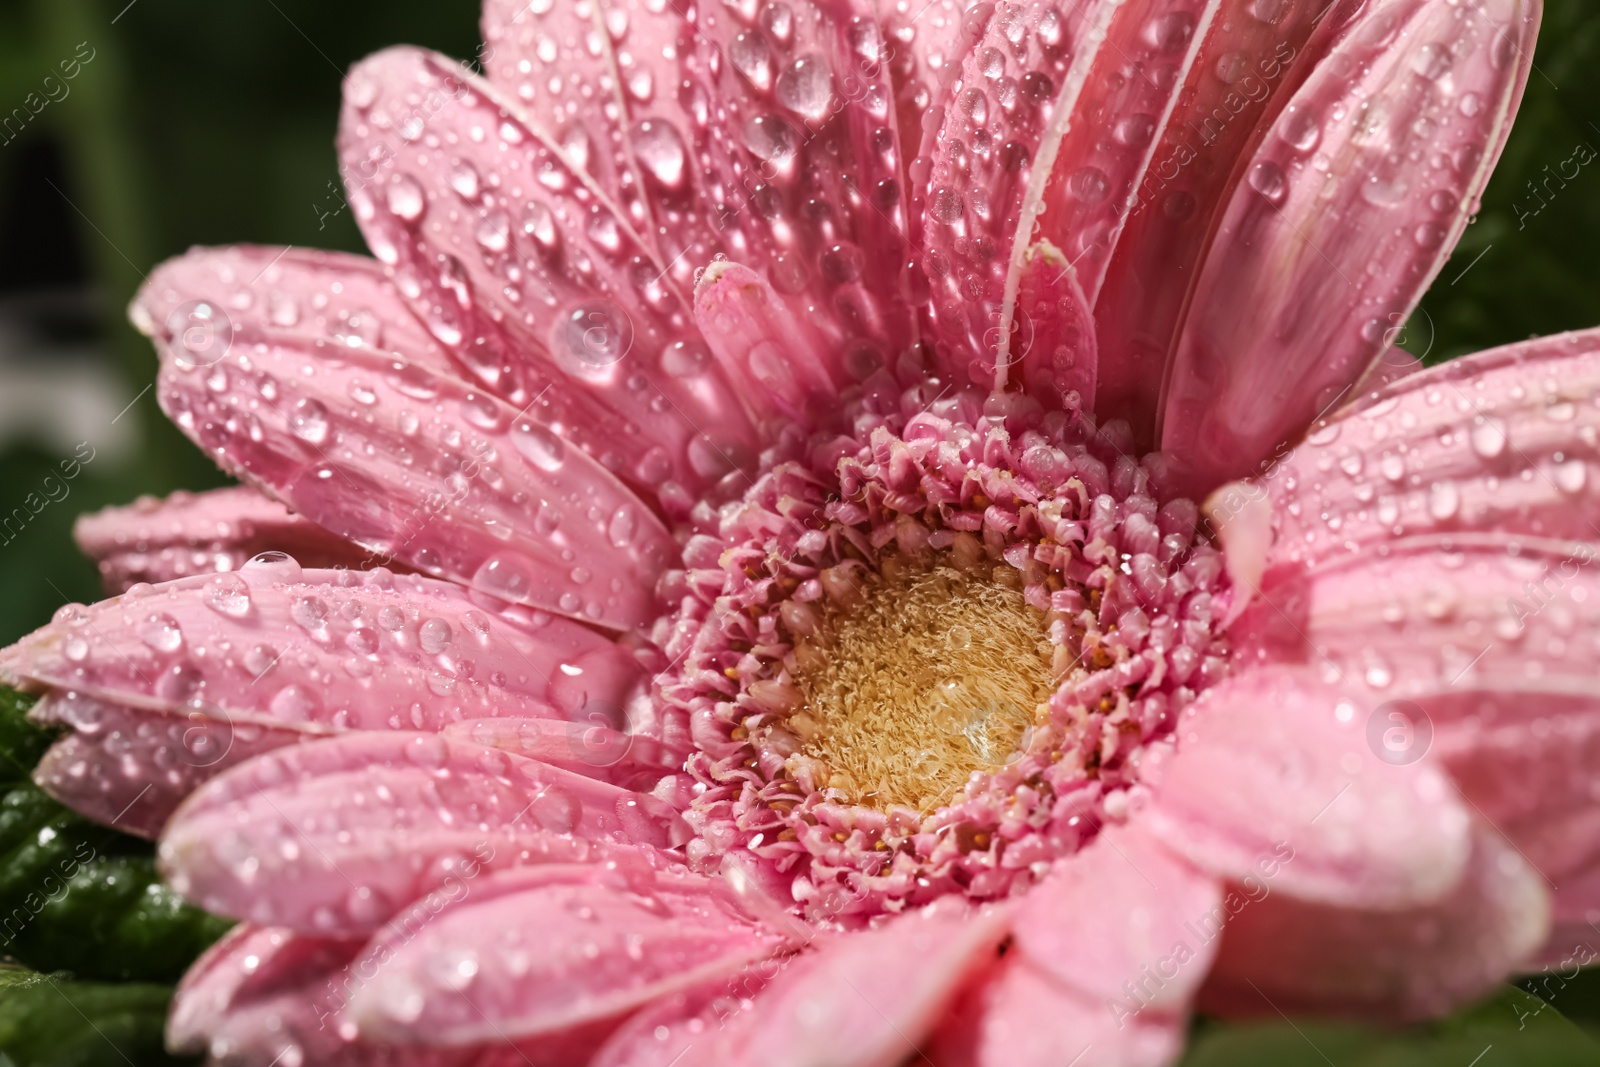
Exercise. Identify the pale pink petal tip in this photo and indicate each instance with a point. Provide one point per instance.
(1272, 763)
(1284, 955)
(154, 540)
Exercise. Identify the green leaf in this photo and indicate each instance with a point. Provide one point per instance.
(22, 742)
(1511, 1029)
(79, 897)
(50, 1021)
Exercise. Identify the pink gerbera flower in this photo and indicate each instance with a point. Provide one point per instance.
(754, 603)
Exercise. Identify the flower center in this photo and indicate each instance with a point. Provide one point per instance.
(930, 656)
(924, 675)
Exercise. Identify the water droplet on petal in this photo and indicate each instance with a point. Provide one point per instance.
(508, 576)
(751, 57)
(1267, 178)
(660, 151)
(1488, 437)
(433, 636)
(161, 633)
(405, 198)
(539, 445)
(228, 594)
(597, 334)
(309, 421)
(806, 88)
(769, 137)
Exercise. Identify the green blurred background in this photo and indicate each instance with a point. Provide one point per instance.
(205, 123)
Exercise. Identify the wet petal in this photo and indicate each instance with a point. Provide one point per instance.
(1483, 659)
(803, 157)
(1271, 763)
(1017, 88)
(589, 746)
(426, 470)
(203, 302)
(130, 768)
(154, 540)
(926, 40)
(523, 957)
(1138, 74)
(1501, 440)
(1251, 62)
(1021, 1016)
(1124, 910)
(1053, 349)
(337, 837)
(866, 999)
(322, 651)
(1339, 243)
(250, 962)
(781, 369)
(603, 79)
(522, 267)
(1285, 955)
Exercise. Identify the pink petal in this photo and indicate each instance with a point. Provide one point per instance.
(603, 80)
(926, 40)
(248, 963)
(155, 540)
(1054, 341)
(1312, 267)
(1473, 630)
(1134, 85)
(780, 366)
(129, 768)
(1393, 365)
(1483, 662)
(1247, 70)
(203, 302)
(308, 837)
(264, 996)
(426, 470)
(867, 999)
(803, 159)
(1494, 441)
(537, 956)
(978, 217)
(322, 651)
(1240, 515)
(589, 747)
(1286, 955)
(684, 1028)
(1123, 922)
(538, 283)
(1022, 1017)
(1272, 764)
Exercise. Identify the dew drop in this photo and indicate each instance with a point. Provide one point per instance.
(433, 636)
(228, 594)
(806, 88)
(660, 151)
(751, 57)
(1267, 178)
(508, 575)
(161, 632)
(769, 137)
(597, 334)
(405, 199)
(1489, 438)
(293, 703)
(309, 420)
